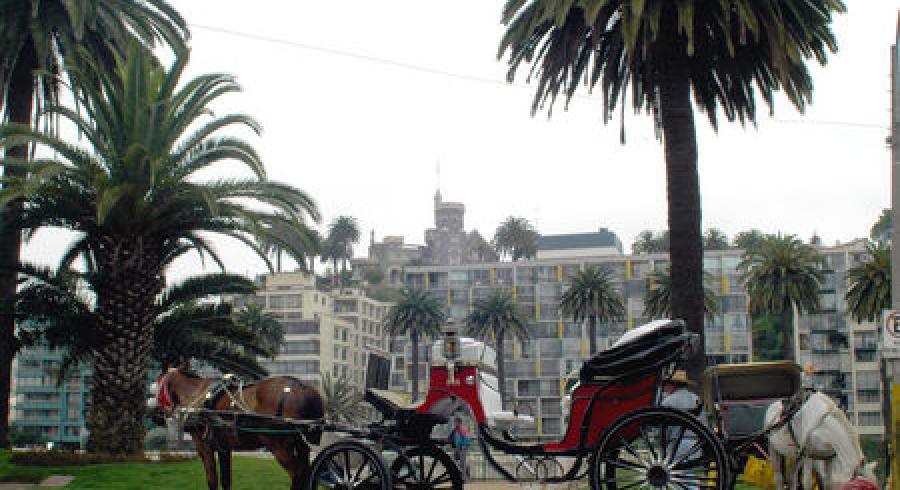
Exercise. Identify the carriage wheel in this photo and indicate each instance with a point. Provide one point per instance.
(659, 448)
(348, 465)
(424, 468)
(536, 469)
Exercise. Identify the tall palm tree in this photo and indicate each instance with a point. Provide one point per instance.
(344, 232)
(417, 313)
(498, 316)
(781, 274)
(665, 57)
(264, 324)
(593, 296)
(188, 323)
(39, 37)
(869, 284)
(137, 203)
(658, 302)
(516, 237)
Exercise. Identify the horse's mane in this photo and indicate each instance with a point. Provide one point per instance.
(847, 448)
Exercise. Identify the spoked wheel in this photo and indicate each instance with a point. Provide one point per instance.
(659, 448)
(537, 469)
(424, 468)
(348, 465)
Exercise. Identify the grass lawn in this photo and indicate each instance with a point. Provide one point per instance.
(249, 473)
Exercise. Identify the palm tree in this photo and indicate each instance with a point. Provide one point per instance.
(332, 250)
(188, 325)
(264, 324)
(417, 313)
(39, 37)
(305, 240)
(516, 237)
(344, 232)
(658, 302)
(498, 316)
(869, 284)
(664, 57)
(781, 274)
(343, 401)
(592, 295)
(137, 204)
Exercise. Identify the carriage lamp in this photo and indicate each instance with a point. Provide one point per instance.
(451, 349)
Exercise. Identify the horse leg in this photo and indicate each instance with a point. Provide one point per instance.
(225, 469)
(208, 458)
(777, 464)
(302, 465)
(284, 454)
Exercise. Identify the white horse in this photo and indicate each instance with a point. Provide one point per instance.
(824, 441)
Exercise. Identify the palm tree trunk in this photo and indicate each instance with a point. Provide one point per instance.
(592, 334)
(414, 368)
(501, 370)
(787, 324)
(683, 189)
(125, 297)
(20, 94)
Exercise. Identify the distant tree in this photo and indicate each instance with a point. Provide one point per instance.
(869, 284)
(883, 226)
(781, 274)
(715, 239)
(648, 242)
(343, 401)
(331, 250)
(479, 250)
(344, 233)
(264, 324)
(592, 296)
(417, 313)
(517, 238)
(498, 316)
(749, 239)
(658, 300)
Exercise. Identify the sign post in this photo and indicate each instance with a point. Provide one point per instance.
(890, 333)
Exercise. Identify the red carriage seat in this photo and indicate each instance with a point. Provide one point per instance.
(619, 380)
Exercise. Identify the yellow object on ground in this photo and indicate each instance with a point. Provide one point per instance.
(758, 472)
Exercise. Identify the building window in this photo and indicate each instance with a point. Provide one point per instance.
(301, 328)
(869, 419)
(300, 347)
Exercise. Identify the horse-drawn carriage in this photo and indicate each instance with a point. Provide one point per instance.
(618, 435)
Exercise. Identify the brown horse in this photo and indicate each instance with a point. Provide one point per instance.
(280, 396)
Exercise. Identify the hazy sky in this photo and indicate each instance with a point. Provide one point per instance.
(361, 99)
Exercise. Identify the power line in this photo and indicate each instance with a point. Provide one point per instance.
(462, 76)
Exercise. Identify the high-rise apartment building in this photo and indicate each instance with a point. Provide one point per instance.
(325, 331)
(54, 412)
(841, 349)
